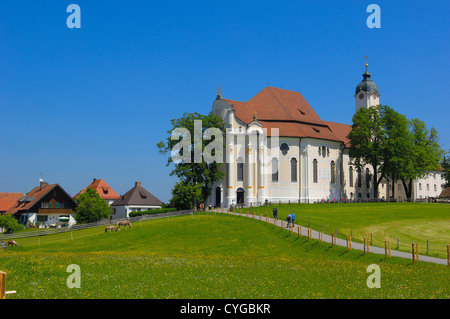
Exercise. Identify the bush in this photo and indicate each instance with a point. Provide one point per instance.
(10, 224)
(153, 211)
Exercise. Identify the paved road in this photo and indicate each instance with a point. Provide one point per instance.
(343, 242)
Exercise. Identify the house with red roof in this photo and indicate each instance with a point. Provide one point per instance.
(46, 204)
(7, 200)
(103, 189)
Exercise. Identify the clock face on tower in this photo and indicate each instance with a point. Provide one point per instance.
(361, 96)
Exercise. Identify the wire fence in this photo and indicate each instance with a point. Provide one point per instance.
(50, 231)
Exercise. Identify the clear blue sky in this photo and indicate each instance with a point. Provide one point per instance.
(93, 102)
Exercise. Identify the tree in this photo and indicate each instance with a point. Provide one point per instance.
(193, 170)
(366, 142)
(395, 147)
(396, 143)
(91, 208)
(424, 153)
(445, 163)
(9, 223)
(185, 196)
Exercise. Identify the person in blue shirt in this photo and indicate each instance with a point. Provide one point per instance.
(275, 213)
(292, 218)
(288, 220)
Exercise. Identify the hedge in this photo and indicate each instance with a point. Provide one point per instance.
(153, 211)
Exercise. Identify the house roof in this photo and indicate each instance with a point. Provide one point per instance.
(290, 112)
(138, 195)
(35, 195)
(7, 200)
(445, 193)
(102, 188)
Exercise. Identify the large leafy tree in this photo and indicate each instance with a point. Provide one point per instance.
(91, 208)
(424, 153)
(395, 147)
(195, 167)
(184, 196)
(366, 142)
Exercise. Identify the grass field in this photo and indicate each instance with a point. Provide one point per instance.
(409, 222)
(208, 256)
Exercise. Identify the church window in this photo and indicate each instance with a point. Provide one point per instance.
(319, 150)
(293, 169)
(315, 171)
(428, 187)
(367, 178)
(359, 178)
(333, 172)
(420, 186)
(240, 169)
(351, 176)
(324, 152)
(274, 169)
(284, 148)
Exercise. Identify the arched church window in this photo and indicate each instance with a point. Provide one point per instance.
(315, 171)
(359, 177)
(367, 178)
(351, 176)
(333, 172)
(324, 151)
(284, 148)
(240, 169)
(293, 169)
(274, 169)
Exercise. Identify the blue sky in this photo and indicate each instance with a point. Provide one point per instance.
(78, 104)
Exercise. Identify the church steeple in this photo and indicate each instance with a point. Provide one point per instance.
(366, 93)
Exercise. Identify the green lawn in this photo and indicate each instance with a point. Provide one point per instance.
(409, 222)
(208, 256)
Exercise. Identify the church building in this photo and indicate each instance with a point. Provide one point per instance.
(307, 157)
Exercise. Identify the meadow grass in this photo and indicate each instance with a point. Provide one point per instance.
(409, 222)
(208, 256)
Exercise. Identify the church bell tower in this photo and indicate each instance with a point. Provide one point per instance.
(366, 93)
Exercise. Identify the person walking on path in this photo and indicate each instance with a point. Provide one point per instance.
(293, 218)
(288, 220)
(209, 206)
(275, 213)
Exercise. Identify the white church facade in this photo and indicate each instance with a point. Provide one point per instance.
(279, 150)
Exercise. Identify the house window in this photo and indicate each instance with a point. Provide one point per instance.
(435, 188)
(420, 186)
(351, 176)
(315, 171)
(240, 169)
(293, 169)
(333, 172)
(42, 218)
(428, 187)
(274, 169)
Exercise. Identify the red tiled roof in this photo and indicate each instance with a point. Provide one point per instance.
(7, 200)
(102, 188)
(291, 113)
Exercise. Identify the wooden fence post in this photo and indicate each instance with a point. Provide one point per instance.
(347, 241)
(332, 241)
(350, 242)
(417, 252)
(3, 291)
(448, 255)
(2, 285)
